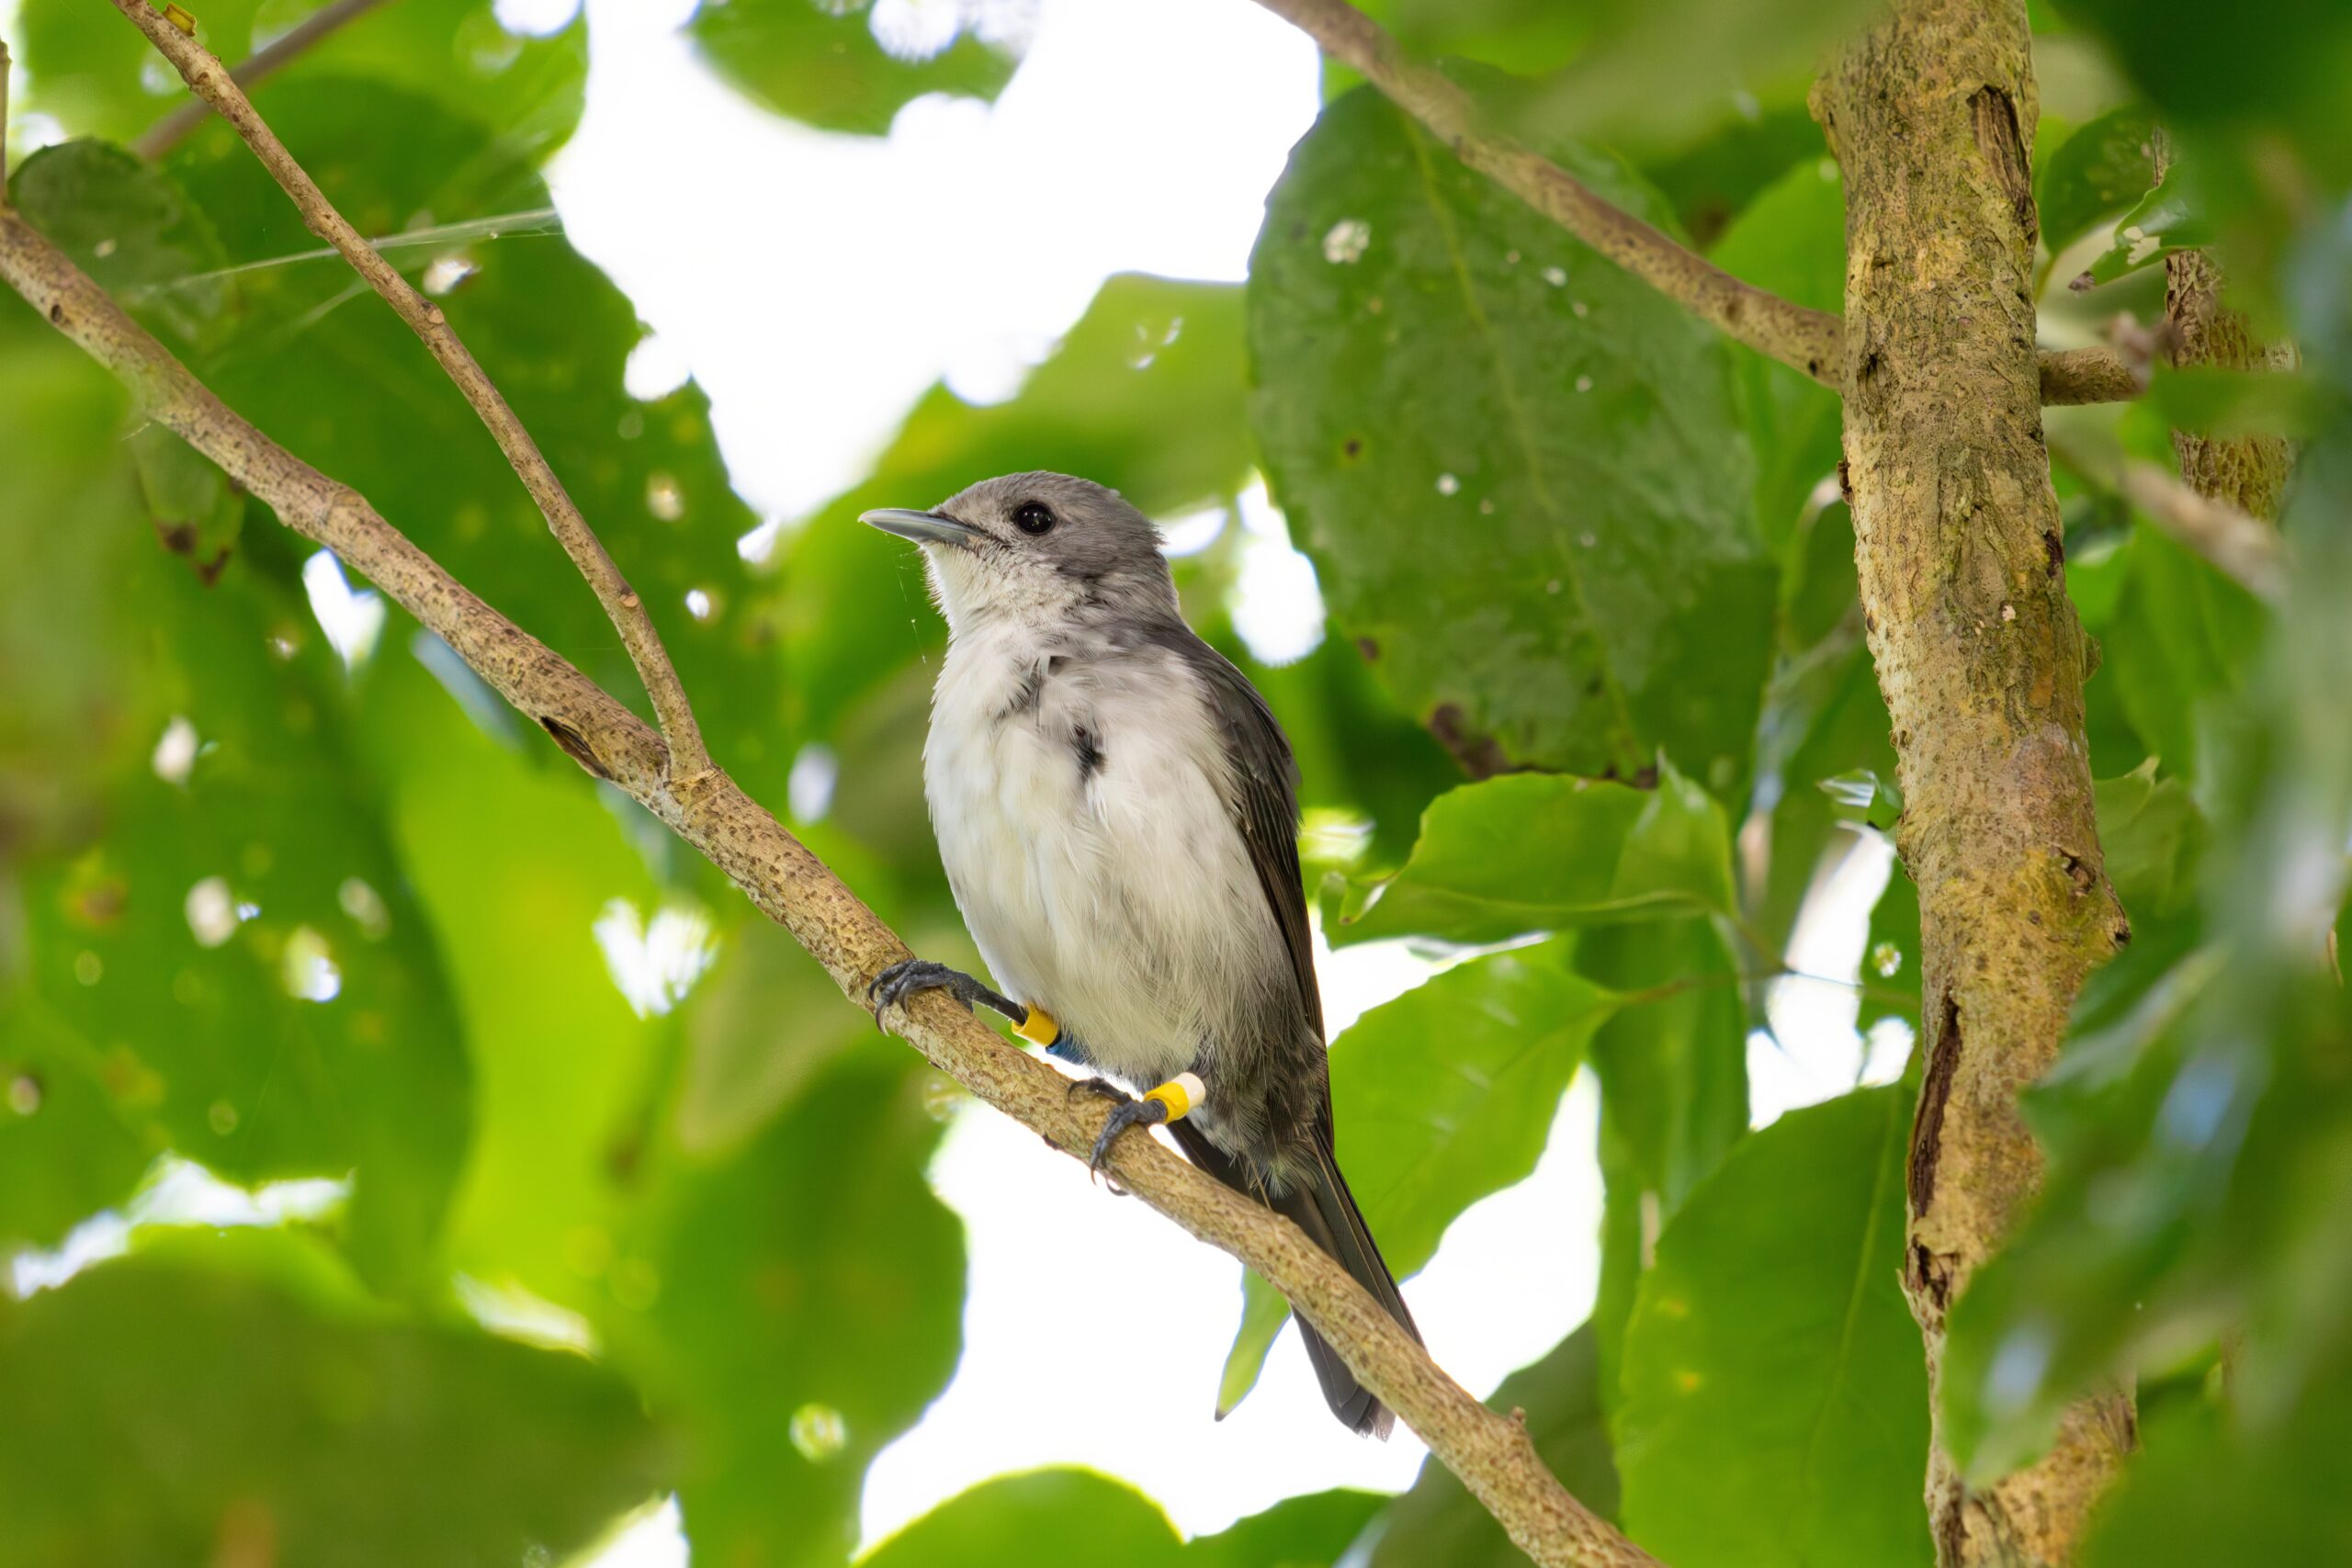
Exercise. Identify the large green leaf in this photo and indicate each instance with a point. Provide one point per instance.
(1046, 1519)
(1673, 1074)
(2180, 642)
(1439, 1522)
(1441, 1096)
(796, 1307)
(1531, 852)
(234, 1399)
(821, 61)
(329, 371)
(1521, 473)
(1313, 1531)
(95, 72)
(1775, 1405)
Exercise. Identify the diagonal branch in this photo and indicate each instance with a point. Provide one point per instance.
(217, 87)
(1490, 1453)
(1798, 336)
(258, 67)
(2239, 545)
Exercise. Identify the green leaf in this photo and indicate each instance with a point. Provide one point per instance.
(1535, 520)
(797, 1307)
(2173, 216)
(229, 1399)
(1529, 852)
(2178, 647)
(1439, 1522)
(1445, 1095)
(1313, 1531)
(1673, 1074)
(2104, 168)
(1775, 1405)
(130, 228)
(514, 865)
(95, 72)
(2205, 1489)
(2153, 836)
(819, 62)
(1046, 1519)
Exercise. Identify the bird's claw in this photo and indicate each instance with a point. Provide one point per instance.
(1129, 1112)
(902, 980)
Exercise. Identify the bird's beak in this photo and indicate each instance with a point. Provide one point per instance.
(923, 527)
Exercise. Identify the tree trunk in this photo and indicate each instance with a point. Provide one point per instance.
(1981, 659)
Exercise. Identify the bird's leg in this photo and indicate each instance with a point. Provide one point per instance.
(1171, 1101)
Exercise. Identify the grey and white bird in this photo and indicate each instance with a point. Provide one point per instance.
(1117, 811)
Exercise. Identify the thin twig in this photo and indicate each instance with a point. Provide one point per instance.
(256, 68)
(1490, 1453)
(1796, 335)
(205, 75)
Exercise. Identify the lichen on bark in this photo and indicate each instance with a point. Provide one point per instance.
(1980, 659)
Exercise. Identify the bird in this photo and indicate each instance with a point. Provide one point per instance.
(1117, 808)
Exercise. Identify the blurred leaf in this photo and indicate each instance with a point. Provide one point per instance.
(1715, 179)
(1775, 1405)
(514, 865)
(2153, 836)
(1523, 36)
(2103, 168)
(1673, 1074)
(130, 228)
(1597, 589)
(1439, 1522)
(824, 64)
(765, 1028)
(2199, 1491)
(1790, 241)
(95, 72)
(2212, 400)
(330, 372)
(821, 61)
(2178, 643)
(797, 1306)
(1044, 1518)
(1445, 1095)
(1144, 395)
(222, 1400)
(1529, 852)
(1313, 1531)
(1263, 1313)
(2173, 216)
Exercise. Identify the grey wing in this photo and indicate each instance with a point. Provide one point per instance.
(1266, 807)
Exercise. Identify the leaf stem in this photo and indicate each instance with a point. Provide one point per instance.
(256, 68)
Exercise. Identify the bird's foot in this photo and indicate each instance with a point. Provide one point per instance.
(1171, 1101)
(895, 984)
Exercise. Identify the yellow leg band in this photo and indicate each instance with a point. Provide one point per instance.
(1039, 1026)
(1180, 1094)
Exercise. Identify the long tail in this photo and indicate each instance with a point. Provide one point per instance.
(1320, 1204)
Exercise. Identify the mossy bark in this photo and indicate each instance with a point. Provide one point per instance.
(1981, 659)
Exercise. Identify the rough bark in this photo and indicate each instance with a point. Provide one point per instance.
(1981, 659)
(2248, 472)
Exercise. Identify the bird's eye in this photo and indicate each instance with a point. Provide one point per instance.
(1032, 517)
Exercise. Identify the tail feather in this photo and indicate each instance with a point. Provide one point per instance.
(1320, 1204)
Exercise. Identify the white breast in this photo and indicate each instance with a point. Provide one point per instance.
(1120, 900)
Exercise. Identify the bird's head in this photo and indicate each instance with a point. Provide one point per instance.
(1039, 549)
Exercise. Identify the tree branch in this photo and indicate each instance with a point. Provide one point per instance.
(1978, 652)
(260, 66)
(1796, 335)
(216, 87)
(1490, 1453)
